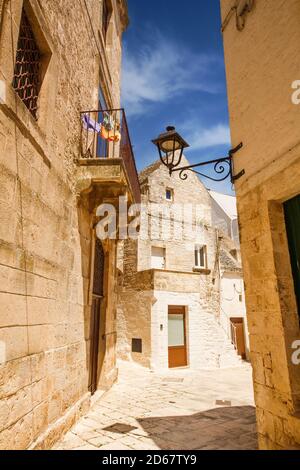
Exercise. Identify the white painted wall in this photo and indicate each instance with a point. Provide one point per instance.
(227, 225)
(232, 286)
(208, 346)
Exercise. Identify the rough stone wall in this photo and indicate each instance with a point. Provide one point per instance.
(191, 191)
(208, 346)
(135, 297)
(263, 117)
(45, 238)
(179, 250)
(232, 304)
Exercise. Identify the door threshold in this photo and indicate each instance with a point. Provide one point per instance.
(97, 396)
(179, 368)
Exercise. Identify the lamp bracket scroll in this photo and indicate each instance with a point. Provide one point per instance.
(171, 146)
(223, 167)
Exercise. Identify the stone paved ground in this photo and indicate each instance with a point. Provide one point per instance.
(176, 410)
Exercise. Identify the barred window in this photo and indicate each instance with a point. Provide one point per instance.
(26, 81)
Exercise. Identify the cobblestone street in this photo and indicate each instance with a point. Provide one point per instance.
(176, 410)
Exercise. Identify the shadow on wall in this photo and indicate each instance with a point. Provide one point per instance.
(226, 428)
(85, 239)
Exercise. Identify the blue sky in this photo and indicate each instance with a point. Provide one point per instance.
(173, 74)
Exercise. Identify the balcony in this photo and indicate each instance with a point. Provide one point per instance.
(106, 163)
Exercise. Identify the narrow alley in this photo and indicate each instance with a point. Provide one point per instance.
(150, 227)
(177, 410)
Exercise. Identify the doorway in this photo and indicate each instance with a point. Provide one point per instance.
(238, 336)
(102, 146)
(177, 346)
(292, 220)
(97, 296)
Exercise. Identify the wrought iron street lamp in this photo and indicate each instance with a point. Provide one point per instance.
(171, 145)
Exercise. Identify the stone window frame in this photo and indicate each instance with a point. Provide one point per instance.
(165, 255)
(39, 129)
(198, 248)
(106, 30)
(171, 190)
(28, 65)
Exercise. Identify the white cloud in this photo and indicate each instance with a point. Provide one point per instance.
(201, 138)
(161, 71)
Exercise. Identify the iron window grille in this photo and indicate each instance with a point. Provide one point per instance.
(26, 81)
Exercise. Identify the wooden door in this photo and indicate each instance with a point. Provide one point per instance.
(177, 337)
(292, 220)
(98, 283)
(238, 336)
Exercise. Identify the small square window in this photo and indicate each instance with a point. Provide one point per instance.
(169, 194)
(137, 345)
(158, 258)
(201, 257)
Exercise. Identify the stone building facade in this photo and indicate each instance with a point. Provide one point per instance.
(169, 276)
(57, 290)
(232, 293)
(224, 214)
(262, 61)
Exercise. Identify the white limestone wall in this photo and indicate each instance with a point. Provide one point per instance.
(232, 286)
(207, 345)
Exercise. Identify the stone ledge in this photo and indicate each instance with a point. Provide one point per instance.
(98, 161)
(202, 271)
(168, 271)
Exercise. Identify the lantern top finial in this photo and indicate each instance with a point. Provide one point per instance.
(170, 141)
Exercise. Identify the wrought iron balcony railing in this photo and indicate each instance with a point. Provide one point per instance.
(105, 135)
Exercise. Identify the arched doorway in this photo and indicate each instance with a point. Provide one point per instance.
(97, 296)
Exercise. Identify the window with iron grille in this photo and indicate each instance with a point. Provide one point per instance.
(106, 11)
(26, 81)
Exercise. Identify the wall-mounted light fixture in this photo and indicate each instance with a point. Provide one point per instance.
(170, 147)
